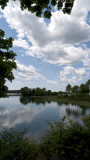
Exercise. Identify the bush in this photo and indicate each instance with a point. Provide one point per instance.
(66, 140)
(13, 146)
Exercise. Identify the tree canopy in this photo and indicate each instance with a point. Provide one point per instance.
(7, 62)
(44, 7)
(82, 89)
(68, 88)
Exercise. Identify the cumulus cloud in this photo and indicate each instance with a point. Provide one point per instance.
(30, 72)
(27, 72)
(55, 42)
(52, 82)
(10, 117)
(21, 43)
(71, 75)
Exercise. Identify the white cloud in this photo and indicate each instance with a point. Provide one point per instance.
(55, 42)
(51, 82)
(30, 72)
(27, 72)
(71, 75)
(21, 43)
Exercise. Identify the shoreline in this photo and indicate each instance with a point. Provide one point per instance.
(81, 101)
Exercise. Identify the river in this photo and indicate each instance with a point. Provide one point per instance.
(33, 115)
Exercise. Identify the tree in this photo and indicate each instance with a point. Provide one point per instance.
(88, 83)
(38, 92)
(68, 88)
(75, 89)
(7, 62)
(84, 88)
(44, 7)
(24, 91)
(49, 92)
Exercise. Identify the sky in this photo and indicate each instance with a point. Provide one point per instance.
(50, 53)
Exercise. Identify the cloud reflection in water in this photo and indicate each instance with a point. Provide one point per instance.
(34, 114)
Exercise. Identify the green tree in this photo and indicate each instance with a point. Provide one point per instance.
(24, 91)
(38, 92)
(88, 84)
(7, 62)
(75, 89)
(84, 88)
(68, 88)
(44, 7)
(49, 92)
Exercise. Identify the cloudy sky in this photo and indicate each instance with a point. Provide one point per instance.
(50, 53)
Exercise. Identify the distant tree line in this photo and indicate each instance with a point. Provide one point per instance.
(37, 92)
(76, 90)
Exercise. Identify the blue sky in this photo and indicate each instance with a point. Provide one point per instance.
(50, 54)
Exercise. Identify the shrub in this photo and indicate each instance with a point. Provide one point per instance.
(67, 141)
(14, 146)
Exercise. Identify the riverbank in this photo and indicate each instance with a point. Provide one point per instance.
(77, 100)
(81, 101)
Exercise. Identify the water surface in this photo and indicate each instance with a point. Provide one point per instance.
(25, 113)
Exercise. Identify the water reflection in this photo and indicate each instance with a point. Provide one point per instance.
(25, 100)
(76, 111)
(33, 114)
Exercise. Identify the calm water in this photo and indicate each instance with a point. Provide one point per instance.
(33, 115)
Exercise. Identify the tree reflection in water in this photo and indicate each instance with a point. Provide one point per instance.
(37, 100)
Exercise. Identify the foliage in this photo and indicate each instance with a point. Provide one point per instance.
(84, 89)
(24, 91)
(75, 89)
(14, 146)
(88, 83)
(34, 92)
(7, 62)
(68, 88)
(44, 7)
(65, 140)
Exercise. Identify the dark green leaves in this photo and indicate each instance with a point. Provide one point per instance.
(47, 14)
(53, 2)
(7, 62)
(60, 4)
(1, 33)
(43, 7)
(68, 140)
(3, 3)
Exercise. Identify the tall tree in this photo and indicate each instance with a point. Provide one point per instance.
(88, 83)
(84, 88)
(44, 7)
(7, 62)
(75, 89)
(68, 88)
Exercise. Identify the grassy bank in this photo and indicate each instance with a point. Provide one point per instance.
(83, 102)
(64, 141)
